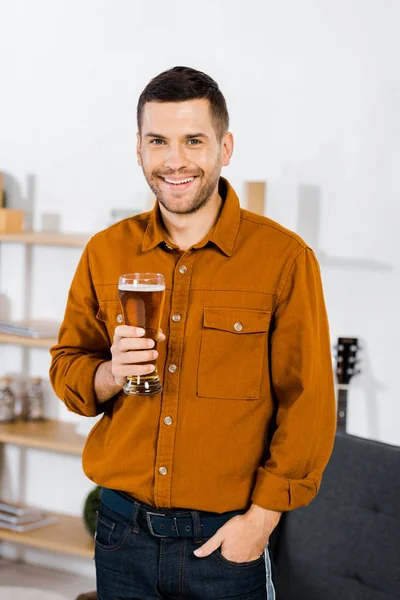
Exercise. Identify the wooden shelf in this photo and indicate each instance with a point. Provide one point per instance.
(20, 340)
(47, 435)
(69, 535)
(43, 238)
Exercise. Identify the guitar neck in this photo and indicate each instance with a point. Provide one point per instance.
(342, 408)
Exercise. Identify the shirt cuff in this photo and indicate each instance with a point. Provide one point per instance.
(281, 493)
(79, 393)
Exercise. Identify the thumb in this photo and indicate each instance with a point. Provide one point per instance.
(212, 544)
(161, 336)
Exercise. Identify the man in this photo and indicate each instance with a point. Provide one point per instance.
(195, 479)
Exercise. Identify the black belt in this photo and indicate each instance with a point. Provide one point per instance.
(171, 524)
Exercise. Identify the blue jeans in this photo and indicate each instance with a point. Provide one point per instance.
(133, 564)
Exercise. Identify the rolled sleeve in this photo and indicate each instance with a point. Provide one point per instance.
(79, 395)
(303, 387)
(283, 494)
(83, 344)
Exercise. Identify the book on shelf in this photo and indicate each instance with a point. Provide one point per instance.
(31, 328)
(20, 518)
(18, 509)
(20, 528)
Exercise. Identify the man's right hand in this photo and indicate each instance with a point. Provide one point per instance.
(129, 350)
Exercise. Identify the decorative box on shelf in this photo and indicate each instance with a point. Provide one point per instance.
(11, 220)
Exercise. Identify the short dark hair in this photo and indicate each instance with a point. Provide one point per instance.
(184, 83)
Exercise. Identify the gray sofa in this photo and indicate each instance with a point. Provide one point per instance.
(346, 544)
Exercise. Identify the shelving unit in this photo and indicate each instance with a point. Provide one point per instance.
(19, 340)
(47, 435)
(42, 238)
(69, 534)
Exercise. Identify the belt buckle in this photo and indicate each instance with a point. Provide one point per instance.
(150, 524)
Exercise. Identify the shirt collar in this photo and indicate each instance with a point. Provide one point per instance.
(223, 234)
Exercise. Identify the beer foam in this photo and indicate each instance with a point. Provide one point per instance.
(141, 287)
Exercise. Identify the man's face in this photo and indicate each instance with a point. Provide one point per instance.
(180, 153)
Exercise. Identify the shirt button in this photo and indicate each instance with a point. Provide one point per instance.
(182, 269)
(163, 470)
(238, 326)
(168, 420)
(168, 246)
(119, 318)
(172, 368)
(176, 318)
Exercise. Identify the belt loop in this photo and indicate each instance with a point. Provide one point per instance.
(135, 514)
(197, 532)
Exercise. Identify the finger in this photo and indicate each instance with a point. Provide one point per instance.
(126, 331)
(131, 370)
(133, 357)
(126, 344)
(212, 544)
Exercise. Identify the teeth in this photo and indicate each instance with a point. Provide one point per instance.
(179, 182)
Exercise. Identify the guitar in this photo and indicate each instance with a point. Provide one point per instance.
(346, 361)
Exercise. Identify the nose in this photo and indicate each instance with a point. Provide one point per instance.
(176, 157)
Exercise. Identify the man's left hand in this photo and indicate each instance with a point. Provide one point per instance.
(244, 537)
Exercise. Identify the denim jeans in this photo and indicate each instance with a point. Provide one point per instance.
(133, 564)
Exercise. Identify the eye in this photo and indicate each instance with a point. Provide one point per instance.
(194, 142)
(157, 142)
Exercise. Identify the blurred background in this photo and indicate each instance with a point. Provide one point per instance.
(313, 91)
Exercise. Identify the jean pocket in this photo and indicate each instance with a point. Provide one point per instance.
(110, 532)
(238, 565)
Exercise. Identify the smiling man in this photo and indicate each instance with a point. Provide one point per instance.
(196, 478)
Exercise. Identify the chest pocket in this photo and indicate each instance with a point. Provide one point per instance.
(111, 314)
(233, 346)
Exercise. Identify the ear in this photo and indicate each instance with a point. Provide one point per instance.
(227, 149)
(138, 154)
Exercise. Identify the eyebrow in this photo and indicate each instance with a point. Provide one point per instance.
(189, 136)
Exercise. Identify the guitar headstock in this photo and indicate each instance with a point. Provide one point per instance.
(346, 359)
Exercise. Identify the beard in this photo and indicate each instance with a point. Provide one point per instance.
(189, 202)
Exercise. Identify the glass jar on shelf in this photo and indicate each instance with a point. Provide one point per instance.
(7, 401)
(33, 404)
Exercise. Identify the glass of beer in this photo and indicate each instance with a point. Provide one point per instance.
(141, 296)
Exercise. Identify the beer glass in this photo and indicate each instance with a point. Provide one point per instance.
(141, 296)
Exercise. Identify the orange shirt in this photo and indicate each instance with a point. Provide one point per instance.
(251, 408)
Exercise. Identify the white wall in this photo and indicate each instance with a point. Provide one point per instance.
(313, 89)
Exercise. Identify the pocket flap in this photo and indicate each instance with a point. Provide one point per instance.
(237, 320)
(110, 311)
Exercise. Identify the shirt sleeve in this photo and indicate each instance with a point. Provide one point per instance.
(83, 344)
(303, 386)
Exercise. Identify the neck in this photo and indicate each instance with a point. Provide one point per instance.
(189, 229)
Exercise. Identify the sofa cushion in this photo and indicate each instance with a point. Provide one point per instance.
(346, 544)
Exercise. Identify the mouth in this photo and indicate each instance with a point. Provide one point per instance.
(178, 184)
